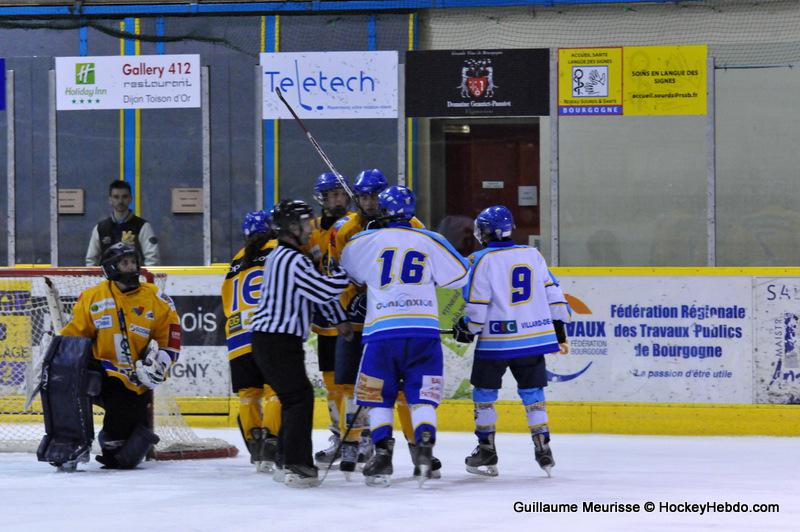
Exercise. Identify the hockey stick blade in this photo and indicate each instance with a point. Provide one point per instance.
(315, 144)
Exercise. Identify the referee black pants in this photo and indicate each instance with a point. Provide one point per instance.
(281, 360)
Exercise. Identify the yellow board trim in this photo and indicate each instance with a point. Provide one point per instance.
(564, 417)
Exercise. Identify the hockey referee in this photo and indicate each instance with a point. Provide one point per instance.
(291, 289)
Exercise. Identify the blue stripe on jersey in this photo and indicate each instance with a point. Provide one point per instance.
(402, 323)
(404, 333)
(237, 341)
(495, 343)
(517, 353)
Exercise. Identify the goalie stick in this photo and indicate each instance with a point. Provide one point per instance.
(34, 376)
(315, 144)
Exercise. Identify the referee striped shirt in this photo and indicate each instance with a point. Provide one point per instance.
(292, 289)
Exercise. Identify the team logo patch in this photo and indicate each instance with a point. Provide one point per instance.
(174, 336)
(368, 389)
(235, 323)
(166, 299)
(503, 327)
(99, 306)
(138, 329)
(149, 315)
(432, 388)
(138, 310)
(104, 322)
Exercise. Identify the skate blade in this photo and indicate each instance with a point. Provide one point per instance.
(379, 481)
(265, 467)
(296, 481)
(547, 470)
(425, 474)
(489, 471)
(279, 475)
(348, 475)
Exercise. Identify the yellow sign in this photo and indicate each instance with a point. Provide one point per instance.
(665, 80)
(589, 81)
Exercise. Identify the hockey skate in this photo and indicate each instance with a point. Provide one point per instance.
(365, 448)
(436, 464)
(425, 457)
(483, 460)
(301, 476)
(347, 465)
(378, 471)
(542, 452)
(269, 453)
(331, 454)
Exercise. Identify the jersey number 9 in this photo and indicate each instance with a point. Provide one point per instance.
(412, 267)
(521, 284)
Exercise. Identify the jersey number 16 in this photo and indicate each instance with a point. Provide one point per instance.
(411, 269)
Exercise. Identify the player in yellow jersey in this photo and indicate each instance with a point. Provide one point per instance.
(259, 407)
(128, 336)
(332, 197)
(368, 184)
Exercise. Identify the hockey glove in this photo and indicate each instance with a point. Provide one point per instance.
(461, 331)
(357, 309)
(152, 371)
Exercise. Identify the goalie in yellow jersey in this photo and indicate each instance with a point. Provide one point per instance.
(366, 187)
(120, 343)
(259, 407)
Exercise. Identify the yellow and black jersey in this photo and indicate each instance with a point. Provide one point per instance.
(341, 233)
(319, 244)
(148, 313)
(241, 291)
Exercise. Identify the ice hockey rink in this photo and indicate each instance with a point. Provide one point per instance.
(227, 494)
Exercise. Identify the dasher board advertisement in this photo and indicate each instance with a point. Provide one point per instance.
(478, 83)
(127, 82)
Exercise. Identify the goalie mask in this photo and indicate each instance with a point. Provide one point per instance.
(111, 265)
(494, 223)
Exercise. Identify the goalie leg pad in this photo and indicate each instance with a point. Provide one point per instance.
(67, 390)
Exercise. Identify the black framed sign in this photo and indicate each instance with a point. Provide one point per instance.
(478, 83)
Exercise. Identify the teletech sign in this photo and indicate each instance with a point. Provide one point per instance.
(478, 83)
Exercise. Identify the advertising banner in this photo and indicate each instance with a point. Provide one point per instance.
(478, 83)
(665, 339)
(777, 366)
(330, 84)
(665, 80)
(16, 333)
(590, 81)
(127, 82)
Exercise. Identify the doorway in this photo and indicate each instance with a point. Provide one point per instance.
(491, 164)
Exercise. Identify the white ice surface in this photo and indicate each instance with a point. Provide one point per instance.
(227, 494)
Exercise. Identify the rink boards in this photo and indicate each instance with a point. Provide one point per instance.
(654, 351)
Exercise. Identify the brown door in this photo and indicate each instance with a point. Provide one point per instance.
(486, 165)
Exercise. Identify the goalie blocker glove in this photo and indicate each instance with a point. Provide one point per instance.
(152, 371)
(461, 331)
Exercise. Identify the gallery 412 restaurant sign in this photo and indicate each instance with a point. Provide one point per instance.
(478, 83)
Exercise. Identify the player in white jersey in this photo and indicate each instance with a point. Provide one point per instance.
(401, 267)
(516, 308)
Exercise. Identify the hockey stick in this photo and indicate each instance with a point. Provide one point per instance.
(445, 331)
(316, 145)
(341, 442)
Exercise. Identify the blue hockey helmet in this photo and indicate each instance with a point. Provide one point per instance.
(369, 182)
(397, 203)
(325, 183)
(256, 222)
(493, 223)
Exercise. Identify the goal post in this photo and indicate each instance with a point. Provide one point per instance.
(35, 303)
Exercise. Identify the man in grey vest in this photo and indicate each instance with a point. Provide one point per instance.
(123, 226)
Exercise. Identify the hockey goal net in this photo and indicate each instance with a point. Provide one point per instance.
(34, 304)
